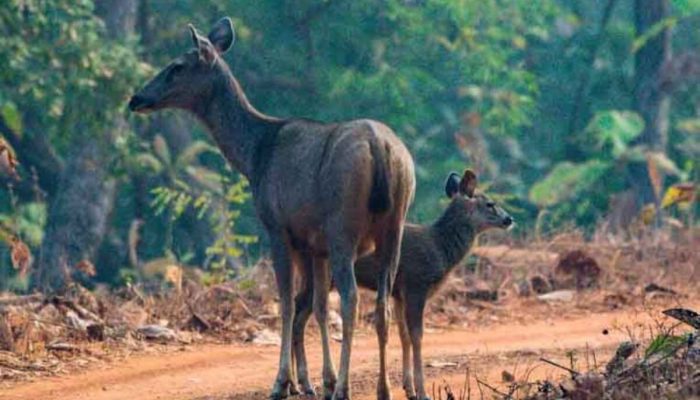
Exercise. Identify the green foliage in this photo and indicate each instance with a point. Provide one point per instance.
(664, 345)
(219, 206)
(566, 181)
(615, 130)
(58, 68)
(10, 114)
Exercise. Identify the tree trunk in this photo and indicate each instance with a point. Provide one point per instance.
(651, 101)
(78, 216)
(79, 213)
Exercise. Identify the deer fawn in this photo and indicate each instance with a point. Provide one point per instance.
(327, 193)
(428, 254)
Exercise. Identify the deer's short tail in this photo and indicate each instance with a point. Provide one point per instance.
(379, 197)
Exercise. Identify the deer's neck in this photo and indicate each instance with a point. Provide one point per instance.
(454, 236)
(237, 127)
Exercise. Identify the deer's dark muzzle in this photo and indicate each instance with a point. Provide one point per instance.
(508, 221)
(139, 103)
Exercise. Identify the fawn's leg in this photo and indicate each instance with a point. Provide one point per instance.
(407, 370)
(387, 256)
(303, 307)
(322, 285)
(284, 275)
(415, 305)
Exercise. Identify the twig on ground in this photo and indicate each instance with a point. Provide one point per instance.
(573, 373)
(493, 389)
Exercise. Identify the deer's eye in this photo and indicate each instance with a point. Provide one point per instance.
(177, 68)
(491, 204)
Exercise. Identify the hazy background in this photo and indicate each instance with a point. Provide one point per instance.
(573, 113)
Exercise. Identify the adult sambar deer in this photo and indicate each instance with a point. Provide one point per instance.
(428, 254)
(326, 193)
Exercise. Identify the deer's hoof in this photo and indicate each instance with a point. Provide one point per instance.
(410, 392)
(341, 394)
(282, 390)
(307, 390)
(328, 389)
(383, 390)
(293, 391)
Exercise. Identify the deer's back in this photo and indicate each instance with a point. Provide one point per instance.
(312, 171)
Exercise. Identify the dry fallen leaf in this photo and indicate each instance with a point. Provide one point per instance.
(678, 194)
(20, 256)
(86, 267)
(173, 274)
(8, 160)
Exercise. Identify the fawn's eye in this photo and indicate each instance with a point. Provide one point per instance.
(491, 204)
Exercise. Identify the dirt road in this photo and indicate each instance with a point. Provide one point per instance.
(236, 372)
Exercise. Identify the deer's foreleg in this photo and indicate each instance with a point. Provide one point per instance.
(415, 305)
(407, 370)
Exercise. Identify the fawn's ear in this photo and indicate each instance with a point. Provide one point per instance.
(468, 183)
(452, 184)
(222, 35)
(204, 47)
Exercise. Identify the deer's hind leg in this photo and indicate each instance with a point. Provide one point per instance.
(387, 256)
(342, 246)
(303, 306)
(322, 285)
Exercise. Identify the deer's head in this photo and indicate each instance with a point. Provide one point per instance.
(190, 78)
(477, 208)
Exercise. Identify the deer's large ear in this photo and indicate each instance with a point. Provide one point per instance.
(206, 50)
(452, 185)
(468, 183)
(222, 35)
(196, 39)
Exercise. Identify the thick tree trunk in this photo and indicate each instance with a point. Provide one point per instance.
(78, 216)
(652, 101)
(79, 213)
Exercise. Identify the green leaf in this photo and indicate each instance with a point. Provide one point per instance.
(664, 345)
(566, 180)
(691, 125)
(149, 162)
(616, 129)
(12, 117)
(686, 7)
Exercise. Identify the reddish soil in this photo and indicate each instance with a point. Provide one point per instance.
(237, 372)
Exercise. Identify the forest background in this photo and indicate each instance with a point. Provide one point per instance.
(575, 113)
